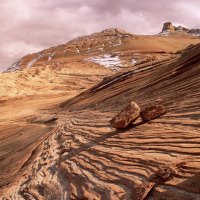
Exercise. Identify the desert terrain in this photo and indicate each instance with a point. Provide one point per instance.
(56, 141)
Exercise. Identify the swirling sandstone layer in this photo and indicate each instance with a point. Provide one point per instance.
(83, 158)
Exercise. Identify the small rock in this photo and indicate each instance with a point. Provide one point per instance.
(126, 117)
(152, 112)
(165, 174)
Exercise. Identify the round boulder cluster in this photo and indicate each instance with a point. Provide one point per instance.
(133, 111)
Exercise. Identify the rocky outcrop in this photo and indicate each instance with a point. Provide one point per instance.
(114, 165)
(169, 28)
(126, 117)
(116, 31)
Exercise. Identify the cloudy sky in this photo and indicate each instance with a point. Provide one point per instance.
(28, 26)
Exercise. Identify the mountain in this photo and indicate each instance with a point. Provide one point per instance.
(113, 40)
(56, 70)
(169, 28)
(56, 140)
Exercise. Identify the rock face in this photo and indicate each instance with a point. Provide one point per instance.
(152, 112)
(168, 27)
(126, 117)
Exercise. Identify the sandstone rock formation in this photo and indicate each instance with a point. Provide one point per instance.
(78, 156)
(116, 31)
(152, 112)
(126, 117)
(169, 28)
(121, 165)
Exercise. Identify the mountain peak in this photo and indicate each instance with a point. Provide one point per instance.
(167, 26)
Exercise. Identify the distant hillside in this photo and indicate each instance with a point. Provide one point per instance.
(108, 41)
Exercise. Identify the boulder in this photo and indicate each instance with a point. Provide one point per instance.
(126, 117)
(152, 112)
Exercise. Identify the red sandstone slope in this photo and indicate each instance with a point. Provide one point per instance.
(146, 80)
(84, 158)
(78, 156)
(161, 156)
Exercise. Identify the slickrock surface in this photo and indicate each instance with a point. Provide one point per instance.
(129, 159)
(56, 143)
(84, 159)
(126, 117)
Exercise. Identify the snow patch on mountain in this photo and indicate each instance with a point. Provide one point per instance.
(51, 56)
(164, 33)
(32, 62)
(106, 60)
(78, 51)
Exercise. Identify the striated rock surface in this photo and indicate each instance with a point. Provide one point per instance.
(79, 156)
(126, 117)
(152, 112)
(106, 164)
